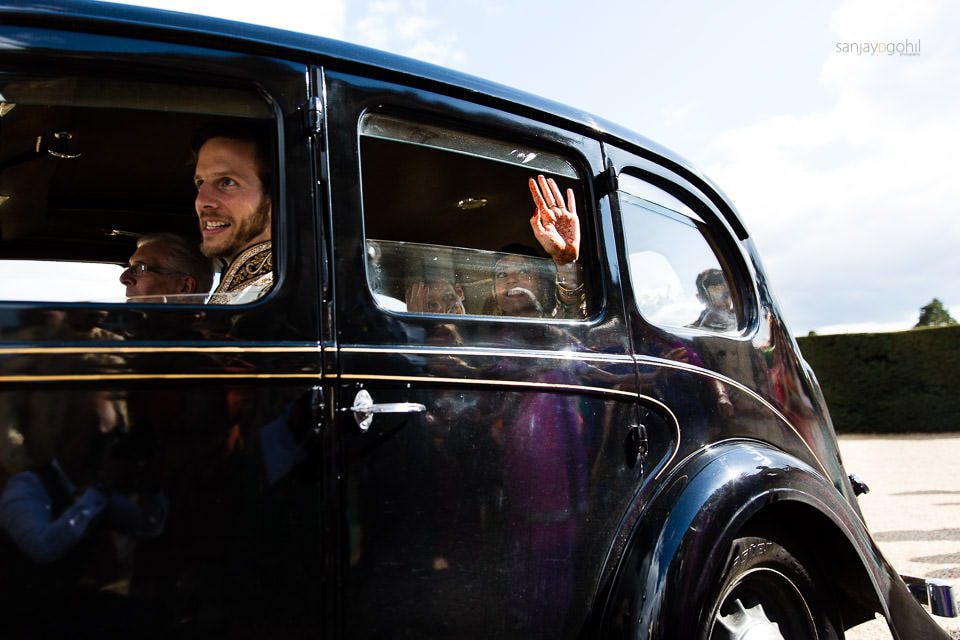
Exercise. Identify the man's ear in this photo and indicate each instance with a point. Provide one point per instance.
(189, 285)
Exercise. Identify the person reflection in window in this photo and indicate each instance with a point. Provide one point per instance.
(713, 292)
(49, 509)
(543, 460)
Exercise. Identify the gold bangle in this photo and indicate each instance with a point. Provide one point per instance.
(570, 291)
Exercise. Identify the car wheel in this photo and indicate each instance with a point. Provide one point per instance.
(767, 594)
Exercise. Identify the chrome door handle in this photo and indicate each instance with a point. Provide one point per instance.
(363, 408)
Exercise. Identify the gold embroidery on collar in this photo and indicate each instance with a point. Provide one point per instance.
(252, 264)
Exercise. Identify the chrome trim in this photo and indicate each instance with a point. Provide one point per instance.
(484, 381)
(364, 408)
(534, 385)
(458, 351)
(942, 601)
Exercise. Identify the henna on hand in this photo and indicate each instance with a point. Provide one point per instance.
(555, 223)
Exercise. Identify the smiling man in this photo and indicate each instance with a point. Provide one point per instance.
(233, 177)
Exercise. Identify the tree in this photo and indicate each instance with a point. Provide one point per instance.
(934, 314)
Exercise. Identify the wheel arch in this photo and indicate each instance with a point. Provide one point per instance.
(663, 585)
(822, 543)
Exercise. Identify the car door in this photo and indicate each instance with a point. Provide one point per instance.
(158, 471)
(486, 458)
(709, 344)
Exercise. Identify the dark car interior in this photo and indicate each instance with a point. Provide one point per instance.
(443, 200)
(87, 165)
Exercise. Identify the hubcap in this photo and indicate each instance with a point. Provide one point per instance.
(749, 624)
(763, 604)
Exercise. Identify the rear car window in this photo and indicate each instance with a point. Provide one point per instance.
(447, 224)
(676, 272)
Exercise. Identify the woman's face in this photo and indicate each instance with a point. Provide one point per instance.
(435, 296)
(516, 287)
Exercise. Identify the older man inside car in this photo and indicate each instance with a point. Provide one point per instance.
(167, 268)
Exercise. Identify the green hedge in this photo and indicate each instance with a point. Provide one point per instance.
(907, 381)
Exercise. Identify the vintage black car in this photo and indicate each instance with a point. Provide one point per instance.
(381, 446)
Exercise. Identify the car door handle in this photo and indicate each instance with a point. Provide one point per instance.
(364, 408)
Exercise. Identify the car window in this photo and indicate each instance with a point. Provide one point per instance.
(676, 275)
(91, 165)
(447, 219)
(59, 281)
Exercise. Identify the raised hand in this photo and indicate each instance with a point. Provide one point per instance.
(555, 223)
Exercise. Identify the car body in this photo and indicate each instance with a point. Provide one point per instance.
(336, 460)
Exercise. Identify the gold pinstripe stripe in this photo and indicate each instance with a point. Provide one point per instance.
(158, 376)
(316, 376)
(101, 349)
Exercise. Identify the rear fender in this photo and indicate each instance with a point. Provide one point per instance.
(665, 584)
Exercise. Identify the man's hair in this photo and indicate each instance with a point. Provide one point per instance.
(708, 278)
(520, 249)
(257, 134)
(184, 256)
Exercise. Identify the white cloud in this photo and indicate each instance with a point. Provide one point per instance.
(491, 9)
(318, 17)
(883, 19)
(856, 205)
(672, 115)
(405, 27)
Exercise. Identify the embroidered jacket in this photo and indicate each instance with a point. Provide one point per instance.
(248, 277)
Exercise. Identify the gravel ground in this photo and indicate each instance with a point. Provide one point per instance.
(912, 510)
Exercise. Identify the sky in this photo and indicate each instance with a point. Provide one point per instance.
(841, 159)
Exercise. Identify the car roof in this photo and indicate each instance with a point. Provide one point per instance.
(126, 20)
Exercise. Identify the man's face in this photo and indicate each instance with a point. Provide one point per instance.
(234, 212)
(157, 279)
(718, 296)
(516, 286)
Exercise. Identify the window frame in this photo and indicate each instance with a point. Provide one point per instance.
(360, 321)
(286, 87)
(221, 75)
(721, 240)
(587, 211)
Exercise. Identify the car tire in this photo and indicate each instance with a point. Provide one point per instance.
(766, 593)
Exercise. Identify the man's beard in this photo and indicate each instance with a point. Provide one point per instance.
(245, 233)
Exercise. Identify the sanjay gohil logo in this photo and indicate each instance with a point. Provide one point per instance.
(880, 48)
